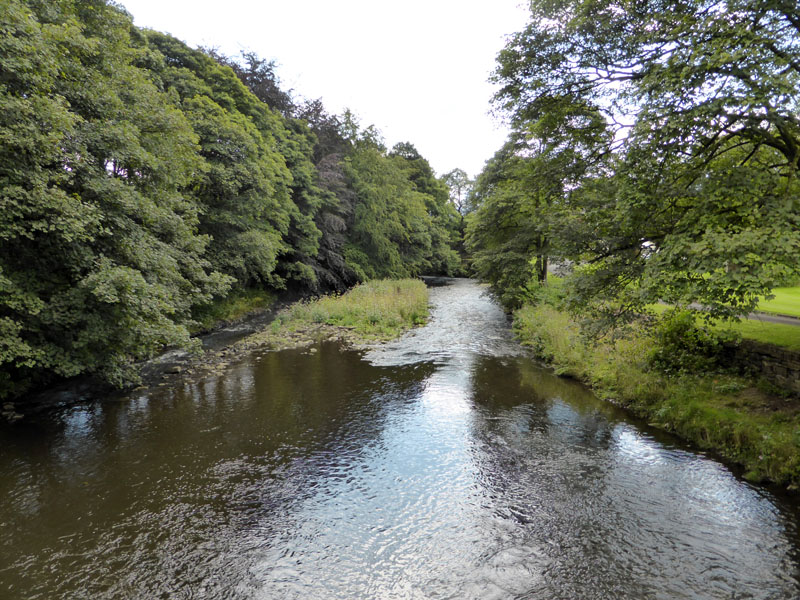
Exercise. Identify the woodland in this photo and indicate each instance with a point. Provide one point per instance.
(655, 147)
(143, 180)
(653, 157)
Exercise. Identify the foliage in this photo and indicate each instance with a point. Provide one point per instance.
(236, 305)
(460, 185)
(695, 198)
(506, 231)
(387, 222)
(378, 309)
(101, 258)
(524, 192)
(443, 219)
(140, 179)
(246, 193)
(777, 334)
(683, 346)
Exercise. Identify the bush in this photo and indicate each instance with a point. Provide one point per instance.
(682, 346)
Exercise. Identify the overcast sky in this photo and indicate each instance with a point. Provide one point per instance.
(416, 69)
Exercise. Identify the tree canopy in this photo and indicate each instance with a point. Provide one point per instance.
(692, 197)
(141, 179)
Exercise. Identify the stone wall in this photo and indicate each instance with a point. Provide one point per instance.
(778, 365)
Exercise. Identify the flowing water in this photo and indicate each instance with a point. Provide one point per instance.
(445, 465)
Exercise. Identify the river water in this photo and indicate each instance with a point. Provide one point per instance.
(447, 464)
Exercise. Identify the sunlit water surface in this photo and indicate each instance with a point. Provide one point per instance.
(445, 465)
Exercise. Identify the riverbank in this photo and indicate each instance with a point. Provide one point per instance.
(374, 311)
(235, 307)
(370, 312)
(731, 415)
(481, 473)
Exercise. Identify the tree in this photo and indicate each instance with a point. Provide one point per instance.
(286, 189)
(459, 184)
(260, 78)
(506, 231)
(389, 234)
(101, 260)
(140, 179)
(526, 193)
(443, 219)
(703, 96)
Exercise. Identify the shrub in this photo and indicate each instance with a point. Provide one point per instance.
(683, 346)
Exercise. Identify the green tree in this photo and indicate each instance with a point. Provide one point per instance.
(244, 213)
(460, 185)
(526, 194)
(505, 232)
(703, 97)
(443, 219)
(388, 235)
(101, 261)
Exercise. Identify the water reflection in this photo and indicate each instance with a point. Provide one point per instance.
(446, 465)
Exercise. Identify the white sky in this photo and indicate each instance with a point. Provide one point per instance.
(416, 69)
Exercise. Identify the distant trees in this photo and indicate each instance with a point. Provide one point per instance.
(140, 179)
(460, 185)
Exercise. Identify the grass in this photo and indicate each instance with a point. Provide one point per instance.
(721, 412)
(785, 302)
(380, 309)
(778, 334)
(373, 311)
(233, 306)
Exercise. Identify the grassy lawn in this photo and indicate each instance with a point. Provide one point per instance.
(786, 302)
(786, 336)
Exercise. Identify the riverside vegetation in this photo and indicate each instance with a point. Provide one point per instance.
(377, 310)
(653, 156)
(674, 375)
(374, 311)
(150, 189)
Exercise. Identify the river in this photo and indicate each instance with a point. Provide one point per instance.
(447, 464)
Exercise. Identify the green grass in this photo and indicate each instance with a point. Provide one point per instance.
(723, 412)
(786, 336)
(778, 334)
(380, 309)
(233, 306)
(376, 310)
(785, 302)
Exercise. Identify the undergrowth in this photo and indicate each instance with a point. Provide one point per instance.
(233, 306)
